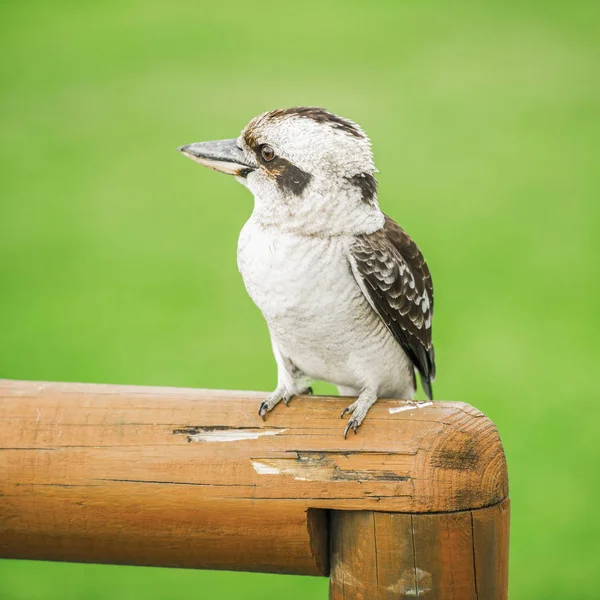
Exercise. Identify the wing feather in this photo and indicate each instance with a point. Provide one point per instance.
(394, 276)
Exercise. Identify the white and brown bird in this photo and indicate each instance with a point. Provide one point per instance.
(346, 293)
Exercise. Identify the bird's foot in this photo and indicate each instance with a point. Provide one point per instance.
(272, 400)
(359, 410)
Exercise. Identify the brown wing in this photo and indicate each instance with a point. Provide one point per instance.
(393, 274)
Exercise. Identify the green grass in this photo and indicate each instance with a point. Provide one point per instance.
(117, 255)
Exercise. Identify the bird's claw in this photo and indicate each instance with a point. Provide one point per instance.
(262, 410)
(271, 402)
(352, 423)
(349, 409)
(358, 416)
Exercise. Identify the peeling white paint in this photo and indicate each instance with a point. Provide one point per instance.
(304, 468)
(406, 584)
(411, 406)
(263, 469)
(299, 471)
(230, 435)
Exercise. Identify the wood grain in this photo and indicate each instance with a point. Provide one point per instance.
(193, 478)
(490, 544)
(443, 556)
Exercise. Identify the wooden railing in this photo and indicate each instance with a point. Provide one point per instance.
(415, 505)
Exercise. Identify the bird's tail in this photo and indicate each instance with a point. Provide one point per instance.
(426, 385)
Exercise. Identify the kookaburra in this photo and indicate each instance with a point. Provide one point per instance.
(345, 292)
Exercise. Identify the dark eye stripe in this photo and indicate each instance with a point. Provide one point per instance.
(290, 178)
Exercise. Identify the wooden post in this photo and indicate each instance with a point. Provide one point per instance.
(415, 505)
(385, 556)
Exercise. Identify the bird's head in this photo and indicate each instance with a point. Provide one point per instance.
(310, 171)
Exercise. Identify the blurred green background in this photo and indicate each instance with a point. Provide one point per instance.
(118, 255)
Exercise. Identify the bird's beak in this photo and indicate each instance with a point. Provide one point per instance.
(221, 155)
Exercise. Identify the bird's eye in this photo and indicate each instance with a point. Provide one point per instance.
(267, 152)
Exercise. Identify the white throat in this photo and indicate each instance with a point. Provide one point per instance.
(320, 211)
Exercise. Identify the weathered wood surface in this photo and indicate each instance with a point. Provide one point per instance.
(440, 556)
(194, 478)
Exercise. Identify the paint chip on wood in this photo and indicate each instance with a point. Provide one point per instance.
(328, 467)
(230, 435)
(412, 583)
(263, 469)
(410, 406)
